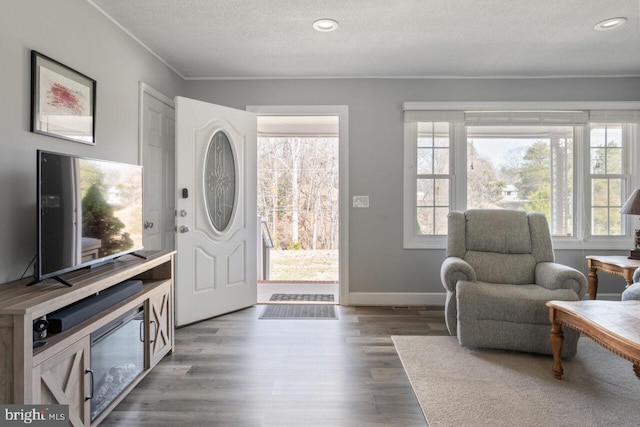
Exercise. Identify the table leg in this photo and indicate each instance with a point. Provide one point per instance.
(636, 369)
(593, 282)
(557, 340)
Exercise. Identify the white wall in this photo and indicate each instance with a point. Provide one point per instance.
(378, 262)
(78, 35)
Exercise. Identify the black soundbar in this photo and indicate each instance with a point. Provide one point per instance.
(80, 311)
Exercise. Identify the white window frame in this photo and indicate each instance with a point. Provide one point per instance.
(582, 186)
(411, 237)
(629, 178)
(342, 111)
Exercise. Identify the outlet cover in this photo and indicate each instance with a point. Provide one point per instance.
(360, 201)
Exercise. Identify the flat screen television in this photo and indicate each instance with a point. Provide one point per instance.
(89, 212)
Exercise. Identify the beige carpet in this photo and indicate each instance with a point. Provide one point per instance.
(457, 387)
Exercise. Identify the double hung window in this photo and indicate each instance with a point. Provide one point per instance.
(433, 177)
(572, 165)
(608, 178)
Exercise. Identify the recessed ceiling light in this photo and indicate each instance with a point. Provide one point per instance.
(325, 25)
(610, 24)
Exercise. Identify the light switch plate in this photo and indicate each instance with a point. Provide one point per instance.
(360, 201)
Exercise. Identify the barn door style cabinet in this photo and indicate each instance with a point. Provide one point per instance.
(68, 367)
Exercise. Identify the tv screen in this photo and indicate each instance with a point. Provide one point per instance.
(89, 211)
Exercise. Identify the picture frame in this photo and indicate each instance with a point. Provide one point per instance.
(63, 101)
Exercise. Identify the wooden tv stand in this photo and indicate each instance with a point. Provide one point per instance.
(57, 372)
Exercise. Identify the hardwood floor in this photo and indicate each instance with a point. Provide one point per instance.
(238, 370)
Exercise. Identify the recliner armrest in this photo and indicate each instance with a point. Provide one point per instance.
(552, 275)
(636, 276)
(454, 269)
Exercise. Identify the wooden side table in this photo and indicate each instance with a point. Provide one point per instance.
(616, 265)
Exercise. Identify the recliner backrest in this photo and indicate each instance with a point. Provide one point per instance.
(502, 245)
(495, 230)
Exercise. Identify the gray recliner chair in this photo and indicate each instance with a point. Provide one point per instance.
(498, 275)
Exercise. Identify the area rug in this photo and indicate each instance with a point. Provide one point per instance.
(302, 297)
(299, 311)
(461, 387)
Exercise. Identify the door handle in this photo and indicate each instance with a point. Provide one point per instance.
(152, 322)
(148, 224)
(90, 372)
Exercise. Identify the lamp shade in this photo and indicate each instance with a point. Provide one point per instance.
(632, 205)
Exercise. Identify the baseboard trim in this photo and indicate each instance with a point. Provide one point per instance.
(397, 298)
(420, 298)
(609, 297)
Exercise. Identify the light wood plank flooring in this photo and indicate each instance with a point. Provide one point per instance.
(238, 370)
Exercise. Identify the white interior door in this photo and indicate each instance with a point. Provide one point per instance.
(216, 206)
(158, 158)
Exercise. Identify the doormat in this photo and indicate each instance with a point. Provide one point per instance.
(299, 311)
(302, 297)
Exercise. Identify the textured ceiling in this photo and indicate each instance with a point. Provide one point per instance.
(217, 39)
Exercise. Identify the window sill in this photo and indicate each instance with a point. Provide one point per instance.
(623, 243)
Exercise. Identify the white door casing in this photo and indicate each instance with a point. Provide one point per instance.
(157, 151)
(215, 264)
(342, 111)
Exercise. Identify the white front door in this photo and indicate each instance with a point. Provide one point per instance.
(216, 210)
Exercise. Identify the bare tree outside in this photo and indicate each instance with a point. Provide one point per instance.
(298, 186)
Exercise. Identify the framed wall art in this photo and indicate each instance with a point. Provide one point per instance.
(63, 101)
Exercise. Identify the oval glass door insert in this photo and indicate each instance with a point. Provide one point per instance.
(220, 181)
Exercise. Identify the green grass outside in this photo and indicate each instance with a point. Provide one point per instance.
(304, 265)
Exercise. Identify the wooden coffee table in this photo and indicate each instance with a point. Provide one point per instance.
(615, 325)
